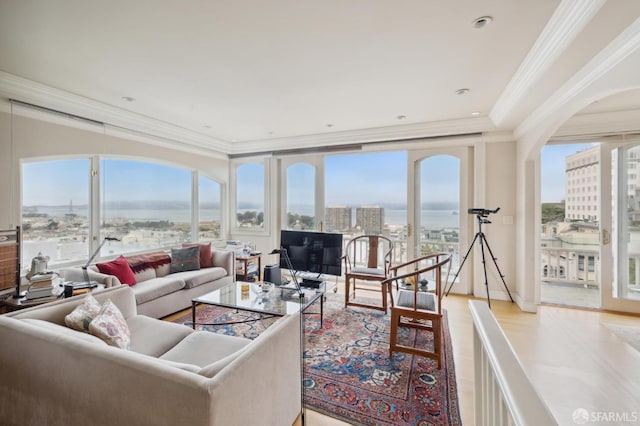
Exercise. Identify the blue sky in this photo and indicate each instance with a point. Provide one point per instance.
(353, 179)
(552, 168)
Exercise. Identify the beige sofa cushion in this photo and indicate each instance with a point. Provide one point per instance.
(203, 348)
(152, 337)
(202, 276)
(144, 275)
(157, 287)
(217, 366)
(163, 271)
(60, 329)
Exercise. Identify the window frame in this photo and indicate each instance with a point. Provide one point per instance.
(233, 197)
(94, 199)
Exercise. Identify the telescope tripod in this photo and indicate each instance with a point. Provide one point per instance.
(483, 242)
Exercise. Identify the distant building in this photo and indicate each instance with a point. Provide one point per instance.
(337, 218)
(582, 173)
(370, 219)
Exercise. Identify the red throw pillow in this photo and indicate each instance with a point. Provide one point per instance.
(120, 268)
(206, 261)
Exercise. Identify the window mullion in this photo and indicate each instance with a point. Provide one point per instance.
(94, 205)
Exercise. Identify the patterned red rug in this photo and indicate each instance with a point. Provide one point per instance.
(348, 373)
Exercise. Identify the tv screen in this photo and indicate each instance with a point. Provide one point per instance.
(314, 252)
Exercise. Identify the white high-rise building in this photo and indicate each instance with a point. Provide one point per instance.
(582, 175)
(337, 218)
(370, 219)
(582, 171)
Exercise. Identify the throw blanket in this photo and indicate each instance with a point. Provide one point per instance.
(140, 262)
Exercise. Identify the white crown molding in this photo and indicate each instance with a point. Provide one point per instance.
(615, 52)
(377, 134)
(21, 89)
(568, 20)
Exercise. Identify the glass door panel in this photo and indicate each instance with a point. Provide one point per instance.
(438, 204)
(301, 197)
(570, 225)
(625, 221)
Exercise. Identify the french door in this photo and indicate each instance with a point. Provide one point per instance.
(437, 207)
(620, 226)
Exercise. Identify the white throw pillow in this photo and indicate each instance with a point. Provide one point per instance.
(111, 326)
(80, 318)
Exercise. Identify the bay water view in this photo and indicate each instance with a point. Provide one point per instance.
(61, 232)
(429, 218)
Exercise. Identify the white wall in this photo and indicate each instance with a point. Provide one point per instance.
(499, 171)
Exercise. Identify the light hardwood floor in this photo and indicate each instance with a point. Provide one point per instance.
(571, 357)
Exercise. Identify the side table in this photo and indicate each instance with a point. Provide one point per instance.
(13, 303)
(245, 262)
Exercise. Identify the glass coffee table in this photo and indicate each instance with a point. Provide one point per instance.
(276, 301)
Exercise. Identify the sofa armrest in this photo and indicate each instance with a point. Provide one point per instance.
(225, 259)
(274, 358)
(75, 274)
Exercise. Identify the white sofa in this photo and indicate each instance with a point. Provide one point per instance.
(53, 375)
(159, 293)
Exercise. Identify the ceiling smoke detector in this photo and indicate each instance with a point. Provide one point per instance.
(462, 91)
(482, 21)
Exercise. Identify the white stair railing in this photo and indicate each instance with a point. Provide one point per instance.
(503, 394)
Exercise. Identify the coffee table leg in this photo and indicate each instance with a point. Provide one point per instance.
(193, 315)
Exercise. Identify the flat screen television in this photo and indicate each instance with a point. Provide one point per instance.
(312, 252)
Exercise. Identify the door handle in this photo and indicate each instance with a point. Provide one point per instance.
(606, 237)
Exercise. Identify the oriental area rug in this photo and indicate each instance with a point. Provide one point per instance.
(348, 372)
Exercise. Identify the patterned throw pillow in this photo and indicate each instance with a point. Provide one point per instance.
(80, 318)
(185, 259)
(111, 326)
(206, 261)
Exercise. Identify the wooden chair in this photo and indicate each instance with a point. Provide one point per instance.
(367, 258)
(417, 308)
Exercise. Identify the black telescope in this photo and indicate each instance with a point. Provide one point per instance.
(483, 212)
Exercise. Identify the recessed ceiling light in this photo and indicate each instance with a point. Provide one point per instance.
(128, 99)
(207, 126)
(475, 113)
(270, 133)
(462, 91)
(401, 117)
(482, 21)
(329, 125)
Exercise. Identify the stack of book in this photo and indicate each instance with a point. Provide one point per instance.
(41, 286)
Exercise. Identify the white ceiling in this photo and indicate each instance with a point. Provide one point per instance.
(251, 75)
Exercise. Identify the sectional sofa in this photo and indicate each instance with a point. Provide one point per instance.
(159, 291)
(54, 375)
